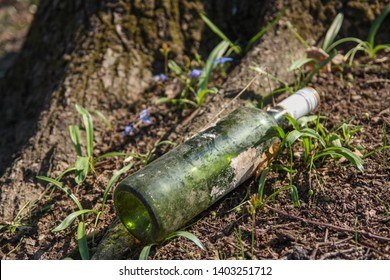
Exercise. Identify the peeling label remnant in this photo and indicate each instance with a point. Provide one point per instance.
(244, 165)
(267, 157)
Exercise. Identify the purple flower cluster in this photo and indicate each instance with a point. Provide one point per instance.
(222, 60)
(160, 78)
(144, 118)
(195, 73)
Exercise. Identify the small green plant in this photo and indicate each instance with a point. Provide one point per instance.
(316, 145)
(235, 47)
(81, 233)
(197, 81)
(17, 222)
(146, 249)
(368, 46)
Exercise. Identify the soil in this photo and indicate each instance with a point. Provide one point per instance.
(343, 213)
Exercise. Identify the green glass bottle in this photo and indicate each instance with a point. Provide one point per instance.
(169, 192)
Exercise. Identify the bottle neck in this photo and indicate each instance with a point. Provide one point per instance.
(278, 114)
(297, 105)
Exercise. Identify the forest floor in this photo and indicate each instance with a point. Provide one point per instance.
(343, 213)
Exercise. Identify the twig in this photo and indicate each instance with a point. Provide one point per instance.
(235, 98)
(333, 254)
(362, 232)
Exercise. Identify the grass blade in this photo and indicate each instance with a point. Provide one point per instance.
(262, 181)
(343, 152)
(82, 241)
(377, 23)
(292, 136)
(103, 118)
(82, 169)
(333, 31)
(164, 142)
(278, 131)
(87, 119)
(301, 122)
(145, 252)
(382, 148)
(216, 53)
(175, 68)
(70, 218)
(344, 40)
(189, 236)
(221, 35)
(117, 154)
(295, 196)
(264, 30)
(300, 62)
(318, 68)
(113, 179)
(63, 188)
(308, 132)
(74, 131)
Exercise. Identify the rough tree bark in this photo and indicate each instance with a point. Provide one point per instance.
(103, 54)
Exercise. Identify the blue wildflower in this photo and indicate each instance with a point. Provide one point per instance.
(128, 128)
(145, 117)
(222, 60)
(160, 78)
(196, 73)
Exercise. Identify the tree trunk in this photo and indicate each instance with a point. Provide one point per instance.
(103, 54)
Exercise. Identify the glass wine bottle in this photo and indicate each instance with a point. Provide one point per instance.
(166, 194)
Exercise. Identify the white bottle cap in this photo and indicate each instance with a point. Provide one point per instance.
(301, 102)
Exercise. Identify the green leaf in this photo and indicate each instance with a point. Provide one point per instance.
(264, 30)
(300, 62)
(175, 101)
(382, 148)
(113, 179)
(303, 121)
(333, 31)
(292, 136)
(63, 173)
(82, 169)
(70, 218)
(164, 142)
(308, 132)
(262, 181)
(63, 188)
(87, 119)
(74, 131)
(215, 54)
(344, 40)
(278, 131)
(318, 68)
(162, 100)
(378, 48)
(295, 196)
(82, 241)
(202, 94)
(145, 252)
(175, 68)
(335, 140)
(221, 35)
(292, 121)
(117, 154)
(103, 118)
(343, 152)
(377, 23)
(189, 236)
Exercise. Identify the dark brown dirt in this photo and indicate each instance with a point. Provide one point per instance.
(346, 217)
